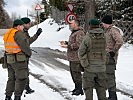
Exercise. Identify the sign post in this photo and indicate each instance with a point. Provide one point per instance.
(70, 17)
(70, 6)
(38, 8)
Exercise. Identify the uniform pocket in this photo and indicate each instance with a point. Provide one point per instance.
(21, 57)
(10, 58)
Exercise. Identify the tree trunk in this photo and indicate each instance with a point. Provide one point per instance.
(89, 12)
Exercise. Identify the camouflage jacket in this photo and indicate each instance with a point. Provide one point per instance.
(73, 44)
(114, 40)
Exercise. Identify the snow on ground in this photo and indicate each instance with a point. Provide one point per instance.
(50, 36)
(124, 65)
(124, 69)
(42, 92)
(62, 78)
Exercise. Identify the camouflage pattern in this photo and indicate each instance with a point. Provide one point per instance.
(114, 42)
(73, 44)
(72, 53)
(18, 71)
(94, 75)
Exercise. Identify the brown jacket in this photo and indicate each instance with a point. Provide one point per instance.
(75, 39)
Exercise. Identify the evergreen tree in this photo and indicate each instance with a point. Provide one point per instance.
(60, 4)
(118, 8)
(5, 21)
(44, 15)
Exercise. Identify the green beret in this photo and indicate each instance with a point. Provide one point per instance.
(94, 22)
(26, 20)
(17, 22)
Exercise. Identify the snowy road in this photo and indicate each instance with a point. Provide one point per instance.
(49, 57)
(49, 77)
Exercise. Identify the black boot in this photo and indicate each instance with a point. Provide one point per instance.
(112, 95)
(76, 86)
(8, 98)
(28, 89)
(78, 90)
(17, 98)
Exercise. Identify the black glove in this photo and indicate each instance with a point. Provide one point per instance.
(39, 31)
(112, 54)
(66, 42)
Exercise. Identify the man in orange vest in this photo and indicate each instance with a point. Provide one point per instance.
(17, 52)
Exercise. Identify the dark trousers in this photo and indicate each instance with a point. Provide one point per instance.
(111, 81)
(17, 78)
(95, 80)
(110, 73)
(75, 70)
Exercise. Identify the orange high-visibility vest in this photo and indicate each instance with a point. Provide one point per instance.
(10, 45)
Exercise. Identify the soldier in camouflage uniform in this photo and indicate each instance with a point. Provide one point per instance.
(92, 55)
(72, 53)
(114, 42)
(27, 25)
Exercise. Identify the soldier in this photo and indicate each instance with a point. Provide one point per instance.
(17, 51)
(114, 42)
(27, 25)
(92, 55)
(72, 53)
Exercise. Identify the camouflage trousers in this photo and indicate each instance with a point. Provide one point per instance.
(95, 80)
(75, 70)
(17, 78)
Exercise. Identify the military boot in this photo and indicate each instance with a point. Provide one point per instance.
(28, 89)
(78, 90)
(76, 86)
(17, 98)
(8, 98)
(112, 95)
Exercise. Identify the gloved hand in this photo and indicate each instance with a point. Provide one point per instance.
(39, 31)
(112, 54)
(66, 42)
